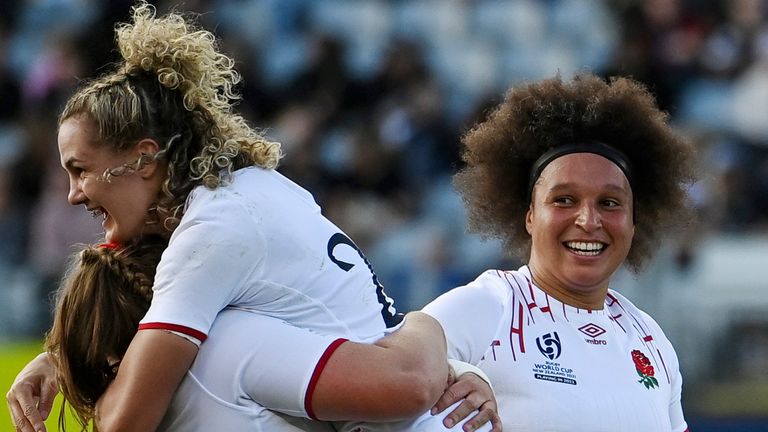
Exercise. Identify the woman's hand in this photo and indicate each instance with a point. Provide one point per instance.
(478, 399)
(30, 398)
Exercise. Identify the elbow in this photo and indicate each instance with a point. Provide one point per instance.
(418, 391)
(421, 382)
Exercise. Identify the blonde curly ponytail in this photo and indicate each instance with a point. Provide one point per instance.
(175, 87)
(182, 56)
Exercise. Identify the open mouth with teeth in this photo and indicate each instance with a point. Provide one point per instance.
(98, 212)
(585, 248)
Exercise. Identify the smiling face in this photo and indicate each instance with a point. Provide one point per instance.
(123, 201)
(581, 225)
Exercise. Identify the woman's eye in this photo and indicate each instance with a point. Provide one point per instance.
(610, 203)
(81, 173)
(563, 200)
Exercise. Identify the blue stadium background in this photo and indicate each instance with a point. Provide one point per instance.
(370, 97)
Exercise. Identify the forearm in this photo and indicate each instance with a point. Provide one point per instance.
(418, 349)
(149, 374)
(400, 376)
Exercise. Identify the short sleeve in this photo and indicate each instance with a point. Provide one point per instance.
(675, 405)
(470, 316)
(676, 417)
(252, 357)
(211, 257)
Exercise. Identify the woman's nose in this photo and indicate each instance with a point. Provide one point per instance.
(588, 218)
(76, 195)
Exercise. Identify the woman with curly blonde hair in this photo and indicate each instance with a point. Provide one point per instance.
(154, 147)
(576, 178)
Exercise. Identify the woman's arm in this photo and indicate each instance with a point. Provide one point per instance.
(326, 377)
(149, 374)
(398, 377)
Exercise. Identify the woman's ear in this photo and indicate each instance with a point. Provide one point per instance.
(147, 149)
(529, 219)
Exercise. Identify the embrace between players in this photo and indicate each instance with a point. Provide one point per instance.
(254, 312)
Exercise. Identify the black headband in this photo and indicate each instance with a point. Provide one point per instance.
(595, 147)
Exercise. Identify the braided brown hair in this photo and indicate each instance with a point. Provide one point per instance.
(104, 295)
(539, 116)
(175, 87)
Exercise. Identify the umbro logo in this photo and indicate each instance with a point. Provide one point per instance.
(593, 331)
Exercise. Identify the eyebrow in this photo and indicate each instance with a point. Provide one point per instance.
(610, 187)
(70, 162)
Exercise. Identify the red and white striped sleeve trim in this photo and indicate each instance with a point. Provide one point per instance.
(197, 334)
(316, 375)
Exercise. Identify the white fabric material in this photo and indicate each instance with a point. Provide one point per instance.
(460, 368)
(558, 368)
(424, 423)
(250, 361)
(192, 339)
(229, 383)
(261, 244)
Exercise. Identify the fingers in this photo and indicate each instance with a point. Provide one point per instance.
(47, 395)
(32, 391)
(23, 407)
(448, 398)
(464, 386)
(476, 397)
(496, 425)
(458, 414)
(485, 418)
(488, 412)
(20, 421)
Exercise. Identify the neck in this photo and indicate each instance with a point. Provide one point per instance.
(578, 297)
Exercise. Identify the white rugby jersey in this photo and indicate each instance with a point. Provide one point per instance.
(555, 367)
(251, 362)
(260, 243)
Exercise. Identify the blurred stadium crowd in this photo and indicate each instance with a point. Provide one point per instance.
(370, 98)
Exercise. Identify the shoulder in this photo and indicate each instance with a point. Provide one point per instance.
(216, 220)
(489, 291)
(499, 285)
(254, 191)
(239, 200)
(645, 320)
(471, 315)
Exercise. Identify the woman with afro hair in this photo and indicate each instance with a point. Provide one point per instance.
(575, 177)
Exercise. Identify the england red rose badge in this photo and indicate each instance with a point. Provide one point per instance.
(644, 370)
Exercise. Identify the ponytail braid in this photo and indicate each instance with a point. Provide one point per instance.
(104, 295)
